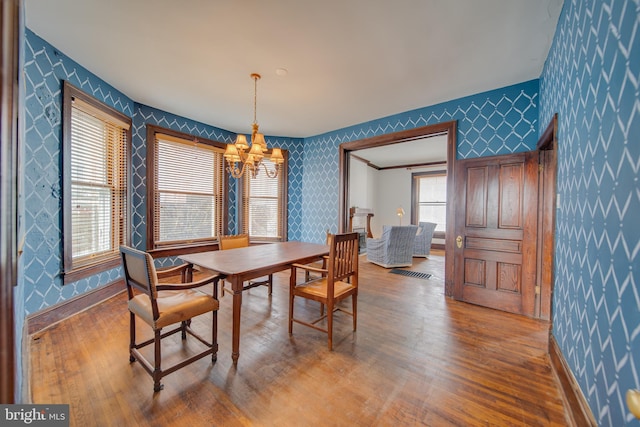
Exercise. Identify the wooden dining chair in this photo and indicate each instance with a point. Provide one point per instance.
(164, 304)
(323, 262)
(242, 241)
(339, 280)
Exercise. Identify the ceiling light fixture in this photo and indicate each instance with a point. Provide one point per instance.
(251, 160)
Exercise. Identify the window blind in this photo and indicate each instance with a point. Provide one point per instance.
(432, 200)
(263, 206)
(98, 184)
(188, 191)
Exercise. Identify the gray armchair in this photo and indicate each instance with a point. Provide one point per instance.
(394, 248)
(422, 244)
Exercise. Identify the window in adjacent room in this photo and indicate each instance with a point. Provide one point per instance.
(429, 191)
(264, 203)
(186, 181)
(96, 147)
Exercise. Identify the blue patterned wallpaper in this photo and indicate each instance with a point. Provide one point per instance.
(500, 121)
(44, 70)
(592, 80)
(147, 115)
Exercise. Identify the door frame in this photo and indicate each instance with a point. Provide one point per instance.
(448, 128)
(10, 30)
(548, 151)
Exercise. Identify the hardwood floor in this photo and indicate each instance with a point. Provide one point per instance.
(417, 358)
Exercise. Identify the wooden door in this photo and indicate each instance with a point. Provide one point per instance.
(495, 232)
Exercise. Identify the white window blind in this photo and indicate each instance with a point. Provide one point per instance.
(98, 184)
(263, 205)
(432, 200)
(188, 191)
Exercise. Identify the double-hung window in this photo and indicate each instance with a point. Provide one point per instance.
(186, 181)
(96, 146)
(264, 203)
(430, 199)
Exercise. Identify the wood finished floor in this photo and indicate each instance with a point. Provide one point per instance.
(417, 358)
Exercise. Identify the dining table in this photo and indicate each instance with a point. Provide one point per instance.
(246, 263)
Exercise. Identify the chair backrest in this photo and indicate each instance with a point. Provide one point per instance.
(139, 271)
(426, 228)
(343, 256)
(398, 234)
(234, 241)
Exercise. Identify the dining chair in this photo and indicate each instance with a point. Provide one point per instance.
(323, 262)
(338, 281)
(164, 304)
(242, 241)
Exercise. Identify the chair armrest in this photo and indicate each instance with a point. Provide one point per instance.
(310, 268)
(171, 271)
(191, 285)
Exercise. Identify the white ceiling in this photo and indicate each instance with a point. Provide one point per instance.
(419, 151)
(348, 61)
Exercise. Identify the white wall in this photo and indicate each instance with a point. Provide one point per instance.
(384, 191)
(360, 185)
(394, 191)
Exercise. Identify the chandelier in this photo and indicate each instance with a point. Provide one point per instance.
(242, 157)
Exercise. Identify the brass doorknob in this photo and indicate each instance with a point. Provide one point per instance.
(633, 402)
(459, 241)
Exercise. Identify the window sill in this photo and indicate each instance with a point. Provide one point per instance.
(83, 272)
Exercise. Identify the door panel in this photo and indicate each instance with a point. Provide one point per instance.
(511, 187)
(496, 263)
(477, 198)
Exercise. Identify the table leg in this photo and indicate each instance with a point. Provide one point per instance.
(236, 286)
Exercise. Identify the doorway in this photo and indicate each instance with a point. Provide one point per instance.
(346, 149)
(547, 164)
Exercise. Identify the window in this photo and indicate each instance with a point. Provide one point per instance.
(185, 189)
(430, 199)
(264, 204)
(96, 143)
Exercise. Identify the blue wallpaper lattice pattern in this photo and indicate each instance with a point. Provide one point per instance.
(591, 78)
(501, 121)
(147, 115)
(44, 70)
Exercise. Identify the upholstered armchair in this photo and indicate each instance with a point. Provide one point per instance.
(394, 248)
(422, 244)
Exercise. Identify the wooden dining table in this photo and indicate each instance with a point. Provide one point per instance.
(242, 264)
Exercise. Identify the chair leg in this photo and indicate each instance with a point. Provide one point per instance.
(157, 371)
(270, 284)
(292, 284)
(354, 310)
(184, 330)
(214, 336)
(330, 325)
(132, 336)
(290, 314)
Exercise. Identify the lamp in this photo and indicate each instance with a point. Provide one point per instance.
(251, 160)
(400, 213)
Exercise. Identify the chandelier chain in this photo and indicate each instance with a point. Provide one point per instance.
(249, 157)
(255, 96)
